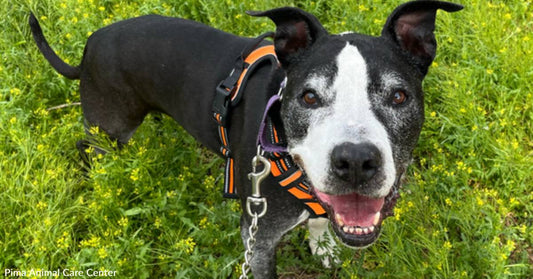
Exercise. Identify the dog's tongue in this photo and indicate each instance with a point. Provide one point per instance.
(354, 209)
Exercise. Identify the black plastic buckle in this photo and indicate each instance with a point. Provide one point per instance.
(221, 103)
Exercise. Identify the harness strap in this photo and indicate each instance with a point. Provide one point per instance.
(228, 95)
(228, 91)
(271, 139)
(289, 176)
(255, 58)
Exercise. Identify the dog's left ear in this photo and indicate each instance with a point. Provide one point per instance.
(296, 31)
(411, 26)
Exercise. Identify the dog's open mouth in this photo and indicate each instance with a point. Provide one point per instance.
(357, 219)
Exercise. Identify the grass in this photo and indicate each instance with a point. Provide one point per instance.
(154, 208)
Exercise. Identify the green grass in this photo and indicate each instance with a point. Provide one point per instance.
(154, 209)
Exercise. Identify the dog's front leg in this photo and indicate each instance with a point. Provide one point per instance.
(270, 230)
(321, 241)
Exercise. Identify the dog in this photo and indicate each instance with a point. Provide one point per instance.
(351, 112)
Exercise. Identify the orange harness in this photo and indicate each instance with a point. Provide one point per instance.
(228, 94)
(289, 176)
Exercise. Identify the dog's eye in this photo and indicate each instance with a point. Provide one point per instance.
(310, 99)
(399, 97)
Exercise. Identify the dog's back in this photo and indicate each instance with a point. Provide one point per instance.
(148, 63)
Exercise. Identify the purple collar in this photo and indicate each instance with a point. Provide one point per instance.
(262, 139)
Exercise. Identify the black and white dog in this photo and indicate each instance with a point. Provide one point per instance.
(352, 108)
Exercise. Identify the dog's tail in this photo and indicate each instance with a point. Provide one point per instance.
(61, 67)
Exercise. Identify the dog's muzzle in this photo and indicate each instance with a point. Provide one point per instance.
(357, 219)
(356, 214)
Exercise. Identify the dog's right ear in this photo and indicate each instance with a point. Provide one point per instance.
(296, 31)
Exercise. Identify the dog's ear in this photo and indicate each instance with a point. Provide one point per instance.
(296, 31)
(411, 26)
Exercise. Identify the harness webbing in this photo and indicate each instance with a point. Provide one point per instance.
(229, 93)
(289, 176)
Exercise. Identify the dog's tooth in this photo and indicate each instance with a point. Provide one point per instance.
(345, 229)
(338, 218)
(365, 231)
(371, 229)
(352, 229)
(377, 217)
(358, 230)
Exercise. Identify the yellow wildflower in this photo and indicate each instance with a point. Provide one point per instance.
(42, 205)
(123, 222)
(102, 253)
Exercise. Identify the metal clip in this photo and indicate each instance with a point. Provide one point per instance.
(281, 87)
(257, 178)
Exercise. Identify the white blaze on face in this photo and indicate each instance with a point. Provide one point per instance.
(347, 118)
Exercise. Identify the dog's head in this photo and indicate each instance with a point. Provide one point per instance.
(353, 109)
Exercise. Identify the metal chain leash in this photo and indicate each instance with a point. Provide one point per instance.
(250, 243)
(257, 200)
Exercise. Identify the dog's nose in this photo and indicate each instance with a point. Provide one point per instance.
(355, 163)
